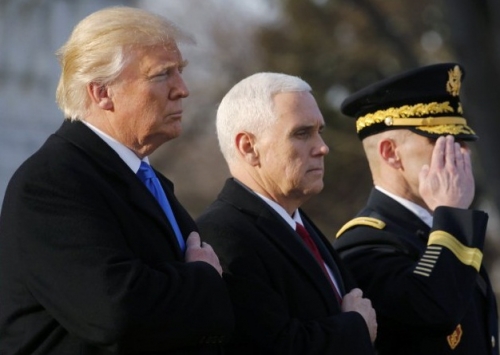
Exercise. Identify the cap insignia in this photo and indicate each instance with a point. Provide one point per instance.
(454, 79)
(455, 337)
(387, 116)
(454, 129)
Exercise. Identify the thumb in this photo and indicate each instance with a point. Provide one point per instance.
(193, 240)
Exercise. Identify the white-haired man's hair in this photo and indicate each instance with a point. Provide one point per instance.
(249, 107)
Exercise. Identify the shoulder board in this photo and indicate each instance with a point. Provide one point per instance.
(361, 221)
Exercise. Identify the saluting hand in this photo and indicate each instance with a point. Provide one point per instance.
(448, 181)
(201, 251)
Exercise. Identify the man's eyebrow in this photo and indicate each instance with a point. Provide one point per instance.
(166, 66)
(310, 127)
(181, 64)
(305, 126)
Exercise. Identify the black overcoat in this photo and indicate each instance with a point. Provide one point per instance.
(283, 303)
(90, 265)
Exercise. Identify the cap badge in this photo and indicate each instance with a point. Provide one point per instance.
(454, 80)
(455, 337)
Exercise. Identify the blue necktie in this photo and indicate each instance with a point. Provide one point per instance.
(148, 177)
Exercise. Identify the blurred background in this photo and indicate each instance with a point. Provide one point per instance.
(338, 46)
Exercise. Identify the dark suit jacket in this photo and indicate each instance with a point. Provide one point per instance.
(90, 265)
(282, 300)
(427, 300)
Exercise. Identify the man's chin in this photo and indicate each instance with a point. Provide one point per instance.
(315, 189)
(172, 132)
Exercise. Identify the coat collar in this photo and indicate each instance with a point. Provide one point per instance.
(397, 214)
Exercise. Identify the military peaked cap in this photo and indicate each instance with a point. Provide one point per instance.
(424, 100)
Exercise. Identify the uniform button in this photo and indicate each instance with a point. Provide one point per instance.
(492, 341)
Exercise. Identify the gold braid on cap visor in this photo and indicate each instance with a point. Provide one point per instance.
(408, 115)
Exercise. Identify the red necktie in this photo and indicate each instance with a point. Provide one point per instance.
(304, 234)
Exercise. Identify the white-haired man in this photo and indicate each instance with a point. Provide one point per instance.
(290, 292)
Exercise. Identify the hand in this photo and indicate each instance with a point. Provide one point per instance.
(201, 251)
(448, 181)
(354, 302)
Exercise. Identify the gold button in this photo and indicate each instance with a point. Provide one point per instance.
(388, 121)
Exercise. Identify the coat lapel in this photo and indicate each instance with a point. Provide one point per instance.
(327, 252)
(184, 220)
(114, 170)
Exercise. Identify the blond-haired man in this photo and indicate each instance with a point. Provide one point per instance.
(97, 256)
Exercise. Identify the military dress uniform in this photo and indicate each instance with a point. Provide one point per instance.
(428, 287)
(427, 284)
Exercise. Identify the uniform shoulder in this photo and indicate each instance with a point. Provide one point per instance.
(369, 233)
(361, 221)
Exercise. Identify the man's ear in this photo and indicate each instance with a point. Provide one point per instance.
(100, 95)
(387, 149)
(246, 147)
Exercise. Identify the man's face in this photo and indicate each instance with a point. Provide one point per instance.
(147, 98)
(292, 149)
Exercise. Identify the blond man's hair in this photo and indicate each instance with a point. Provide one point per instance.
(97, 51)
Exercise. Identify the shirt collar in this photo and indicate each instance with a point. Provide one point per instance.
(127, 155)
(291, 220)
(421, 212)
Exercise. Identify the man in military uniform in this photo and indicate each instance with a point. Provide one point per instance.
(416, 247)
